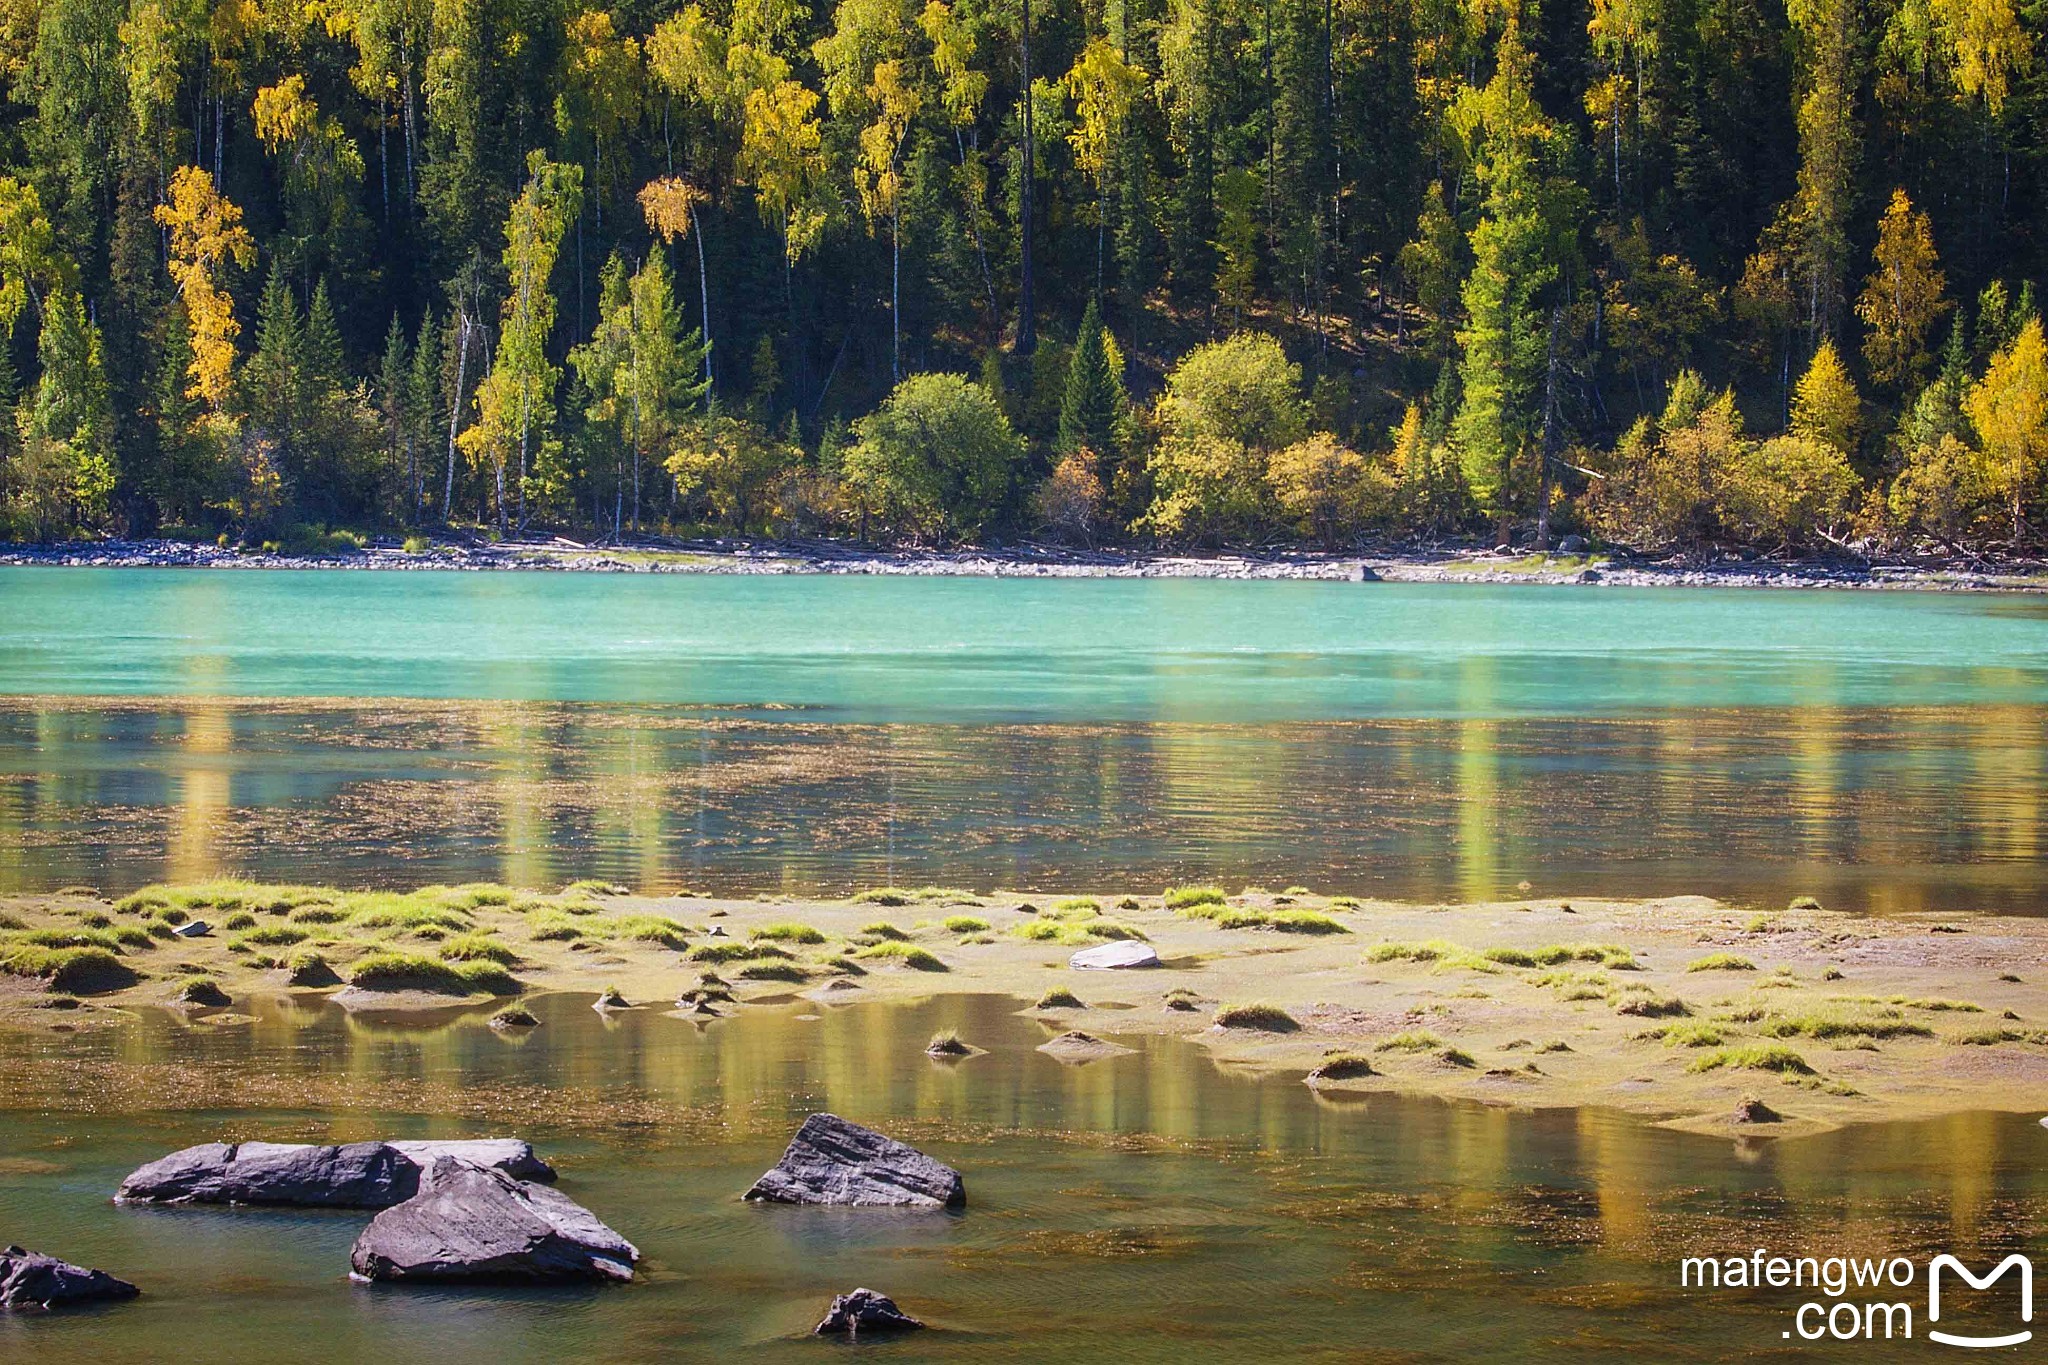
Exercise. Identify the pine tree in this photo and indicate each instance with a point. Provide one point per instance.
(1095, 403)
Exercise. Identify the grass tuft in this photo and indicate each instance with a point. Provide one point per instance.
(1754, 1057)
(1720, 962)
(1255, 1014)
(1059, 998)
(907, 954)
(1188, 897)
(389, 971)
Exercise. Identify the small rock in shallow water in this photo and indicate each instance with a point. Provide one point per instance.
(864, 1311)
(831, 1161)
(1077, 1046)
(31, 1281)
(1753, 1110)
(471, 1223)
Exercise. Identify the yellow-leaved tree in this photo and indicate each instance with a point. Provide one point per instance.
(206, 240)
(2009, 408)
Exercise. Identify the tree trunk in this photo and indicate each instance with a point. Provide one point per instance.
(455, 413)
(1027, 331)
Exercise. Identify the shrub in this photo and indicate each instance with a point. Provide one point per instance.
(1187, 897)
(1456, 1056)
(1256, 1014)
(418, 545)
(1720, 962)
(907, 954)
(1059, 998)
(1756, 1057)
(478, 948)
(965, 924)
(387, 971)
(789, 932)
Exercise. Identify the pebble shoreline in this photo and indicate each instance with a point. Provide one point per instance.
(1036, 562)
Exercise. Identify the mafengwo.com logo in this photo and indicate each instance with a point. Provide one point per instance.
(1883, 1299)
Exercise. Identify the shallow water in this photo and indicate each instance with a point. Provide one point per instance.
(1137, 1208)
(1885, 751)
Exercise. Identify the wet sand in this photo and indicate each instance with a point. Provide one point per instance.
(1678, 1009)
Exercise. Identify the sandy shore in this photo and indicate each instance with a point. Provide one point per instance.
(1030, 561)
(1678, 1009)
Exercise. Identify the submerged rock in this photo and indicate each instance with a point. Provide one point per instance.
(356, 1175)
(1113, 956)
(31, 1281)
(479, 1223)
(1076, 1046)
(831, 1161)
(864, 1310)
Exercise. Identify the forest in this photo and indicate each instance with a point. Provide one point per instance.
(1683, 276)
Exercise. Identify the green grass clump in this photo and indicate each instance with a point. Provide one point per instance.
(884, 895)
(1434, 951)
(1509, 957)
(789, 932)
(477, 948)
(514, 1016)
(1075, 932)
(1986, 1037)
(775, 971)
(593, 887)
(881, 928)
(1189, 897)
(274, 936)
(907, 954)
(947, 1043)
(402, 913)
(309, 968)
(132, 936)
(1284, 921)
(1720, 962)
(221, 896)
(1059, 998)
(1826, 1027)
(1644, 1003)
(1755, 1057)
(1078, 905)
(1804, 903)
(1456, 1056)
(757, 951)
(1342, 1066)
(241, 919)
(68, 938)
(389, 971)
(72, 971)
(1760, 924)
(965, 924)
(659, 929)
(1413, 1040)
(318, 914)
(552, 926)
(1608, 955)
(1255, 1014)
(1691, 1035)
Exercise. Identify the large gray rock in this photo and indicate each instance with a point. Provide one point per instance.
(356, 1175)
(864, 1310)
(831, 1161)
(31, 1281)
(480, 1224)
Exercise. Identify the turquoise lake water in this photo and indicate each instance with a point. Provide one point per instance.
(1884, 750)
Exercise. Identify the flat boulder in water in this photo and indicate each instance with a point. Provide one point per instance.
(864, 1310)
(1115, 956)
(355, 1175)
(31, 1282)
(478, 1223)
(831, 1161)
